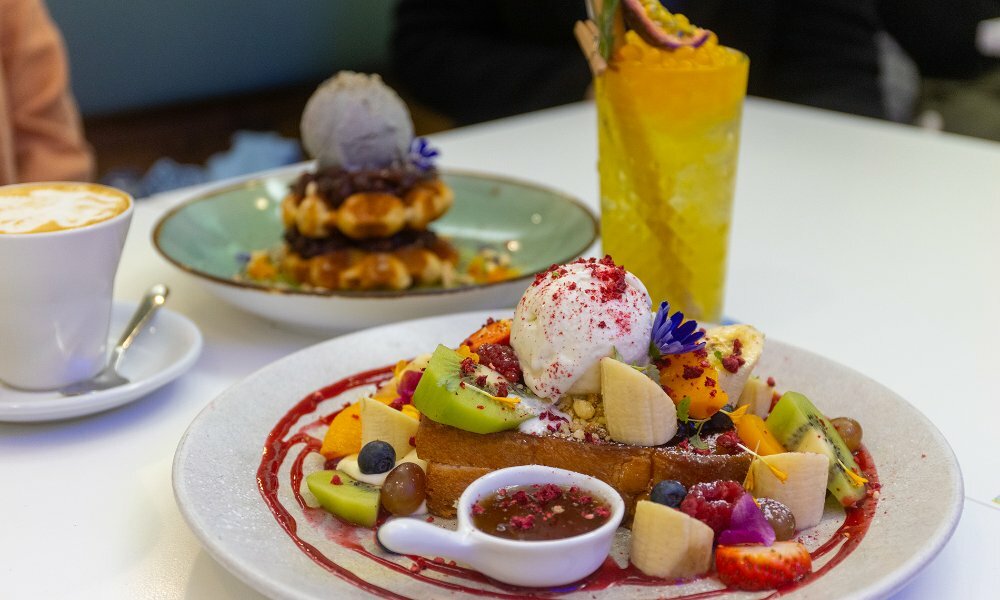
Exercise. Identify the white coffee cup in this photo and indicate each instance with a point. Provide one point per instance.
(60, 244)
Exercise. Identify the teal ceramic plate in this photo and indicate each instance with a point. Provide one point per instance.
(536, 226)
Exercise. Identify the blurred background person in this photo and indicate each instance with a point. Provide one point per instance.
(41, 137)
(475, 61)
(959, 78)
(493, 58)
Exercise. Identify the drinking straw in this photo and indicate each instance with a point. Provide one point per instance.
(600, 35)
(587, 36)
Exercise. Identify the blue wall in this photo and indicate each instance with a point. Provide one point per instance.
(131, 54)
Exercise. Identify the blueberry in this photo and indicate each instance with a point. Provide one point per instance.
(668, 492)
(684, 431)
(719, 422)
(376, 457)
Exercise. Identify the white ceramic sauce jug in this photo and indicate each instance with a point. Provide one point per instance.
(528, 563)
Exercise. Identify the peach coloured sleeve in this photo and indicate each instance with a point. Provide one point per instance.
(46, 136)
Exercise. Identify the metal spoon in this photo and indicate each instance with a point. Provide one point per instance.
(109, 377)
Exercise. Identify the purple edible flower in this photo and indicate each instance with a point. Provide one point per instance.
(747, 525)
(671, 335)
(421, 154)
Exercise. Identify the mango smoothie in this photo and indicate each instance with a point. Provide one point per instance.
(668, 135)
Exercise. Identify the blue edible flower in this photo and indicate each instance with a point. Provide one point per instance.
(670, 336)
(421, 154)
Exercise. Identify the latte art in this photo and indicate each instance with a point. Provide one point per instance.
(46, 207)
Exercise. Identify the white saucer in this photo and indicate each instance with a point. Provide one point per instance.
(162, 352)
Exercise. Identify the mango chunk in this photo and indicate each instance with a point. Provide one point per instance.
(344, 435)
(691, 375)
(755, 435)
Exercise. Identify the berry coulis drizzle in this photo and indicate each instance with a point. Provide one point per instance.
(282, 439)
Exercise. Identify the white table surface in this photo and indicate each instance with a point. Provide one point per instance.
(873, 244)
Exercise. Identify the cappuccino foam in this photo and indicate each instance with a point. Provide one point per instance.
(46, 207)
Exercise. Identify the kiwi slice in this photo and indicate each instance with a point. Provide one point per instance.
(340, 494)
(801, 427)
(464, 399)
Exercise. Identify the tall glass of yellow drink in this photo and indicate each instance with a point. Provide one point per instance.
(668, 136)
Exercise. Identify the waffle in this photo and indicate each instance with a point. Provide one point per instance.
(429, 260)
(366, 215)
(361, 230)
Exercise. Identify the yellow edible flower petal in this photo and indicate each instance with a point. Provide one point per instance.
(781, 475)
(856, 480)
(397, 372)
(508, 400)
(466, 352)
(737, 414)
(748, 482)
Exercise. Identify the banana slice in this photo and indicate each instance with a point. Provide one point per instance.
(413, 458)
(637, 409)
(803, 492)
(734, 351)
(382, 422)
(756, 396)
(668, 543)
(349, 465)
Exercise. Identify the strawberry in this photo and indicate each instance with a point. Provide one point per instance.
(762, 567)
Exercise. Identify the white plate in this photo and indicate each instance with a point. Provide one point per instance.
(162, 352)
(215, 472)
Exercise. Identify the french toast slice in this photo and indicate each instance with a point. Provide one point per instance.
(457, 457)
(445, 483)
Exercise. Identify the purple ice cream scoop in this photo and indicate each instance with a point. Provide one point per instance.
(355, 121)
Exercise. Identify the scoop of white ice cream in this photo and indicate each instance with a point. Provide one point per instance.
(355, 121)
(574, 315)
